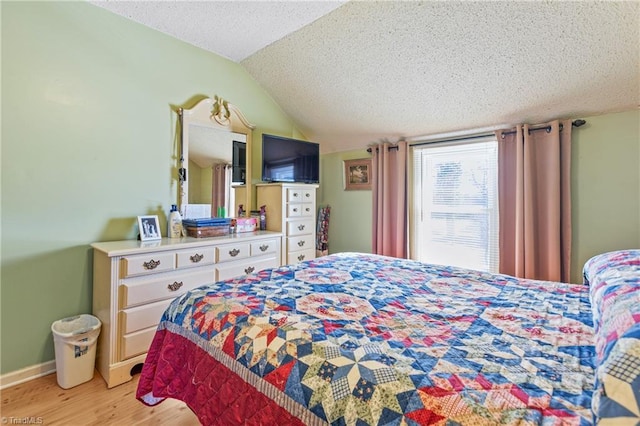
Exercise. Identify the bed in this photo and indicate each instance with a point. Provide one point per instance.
(361, 339)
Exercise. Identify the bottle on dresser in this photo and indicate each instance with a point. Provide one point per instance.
(174, 225)
(263, 218)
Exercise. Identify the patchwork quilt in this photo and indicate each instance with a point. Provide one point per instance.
(614, 281)
(360, 339)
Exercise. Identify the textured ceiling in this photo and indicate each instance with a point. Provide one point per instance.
(233, 29)
(372, 70)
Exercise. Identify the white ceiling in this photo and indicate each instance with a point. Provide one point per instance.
(353, 73)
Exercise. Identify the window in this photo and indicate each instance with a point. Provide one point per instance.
(455, 204)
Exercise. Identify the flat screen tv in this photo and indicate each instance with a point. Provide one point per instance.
(290, 160)
(239, 162)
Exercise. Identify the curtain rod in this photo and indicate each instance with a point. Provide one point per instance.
(452, 136)
(575, 123)
(391, 148)
(442, 138)
(462, 138)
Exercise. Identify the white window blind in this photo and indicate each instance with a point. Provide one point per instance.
(455, 208)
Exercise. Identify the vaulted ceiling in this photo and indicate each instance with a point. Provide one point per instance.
(351, 73)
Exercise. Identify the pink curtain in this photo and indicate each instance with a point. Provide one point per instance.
(534, 184)
(389, 185)
(219, 185)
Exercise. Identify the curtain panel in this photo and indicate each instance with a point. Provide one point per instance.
(220, 184)
(534, 184)
(389, 181)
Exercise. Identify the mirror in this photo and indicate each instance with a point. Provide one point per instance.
(215, 160)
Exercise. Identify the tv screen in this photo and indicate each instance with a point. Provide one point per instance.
(239, 162)
(290, 160)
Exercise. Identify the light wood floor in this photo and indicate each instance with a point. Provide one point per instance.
(42, 401)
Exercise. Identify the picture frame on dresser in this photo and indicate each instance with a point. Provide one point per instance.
(357, 174)
(149, 228)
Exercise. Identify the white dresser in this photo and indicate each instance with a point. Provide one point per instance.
(134, 282)
(291, 209)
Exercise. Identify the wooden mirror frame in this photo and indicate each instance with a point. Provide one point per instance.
(218, 114)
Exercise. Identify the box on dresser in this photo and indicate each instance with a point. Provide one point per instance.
(207, 227)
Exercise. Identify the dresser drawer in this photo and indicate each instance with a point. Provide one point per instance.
(307, 210)
(294, 257)
(145, 316)
(300, 243)
(232, 252)
(150, 263)
(259, 248)
(294, 195)
(300, 227)
(300, 195)
(137, 291)
(300, 210)
(294, 210)
(236, 269)
(136, 343)
(195, 257)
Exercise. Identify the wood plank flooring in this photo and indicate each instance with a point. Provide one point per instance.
(42, 401)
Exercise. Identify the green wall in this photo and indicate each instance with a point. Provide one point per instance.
(605, 186)
(350, 223)
(88, 143)
(605, 181)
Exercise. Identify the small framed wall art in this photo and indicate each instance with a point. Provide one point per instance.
(149, 228)
(357, 174)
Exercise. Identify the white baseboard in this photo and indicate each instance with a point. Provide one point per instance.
(26, 374)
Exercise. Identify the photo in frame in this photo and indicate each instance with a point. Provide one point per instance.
(149, 228)
(357, 174)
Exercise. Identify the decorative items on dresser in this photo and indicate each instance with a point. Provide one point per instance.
(291, 209)
(134, 282)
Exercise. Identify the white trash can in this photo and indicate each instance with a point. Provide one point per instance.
(75, 343)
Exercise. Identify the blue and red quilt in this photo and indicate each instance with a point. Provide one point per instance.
(614, 286)
(360, 339)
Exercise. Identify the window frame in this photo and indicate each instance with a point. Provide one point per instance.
(413, 199)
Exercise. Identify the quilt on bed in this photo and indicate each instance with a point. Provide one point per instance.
(614, 284)
(369, 340)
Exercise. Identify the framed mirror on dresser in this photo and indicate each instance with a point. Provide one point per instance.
(135, 281)
(215, 160)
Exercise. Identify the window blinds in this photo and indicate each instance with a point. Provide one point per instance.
(455, 208)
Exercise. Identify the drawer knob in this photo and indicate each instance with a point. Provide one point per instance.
(295, 194)
(300, 243)
(175, 286)
(295, 209)
(264, 247)
(249, 270)
(196, 258)
(300, 227)
(301, 257)
(308, 209)
(234, 252)
(152, 264)
(307, 195)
